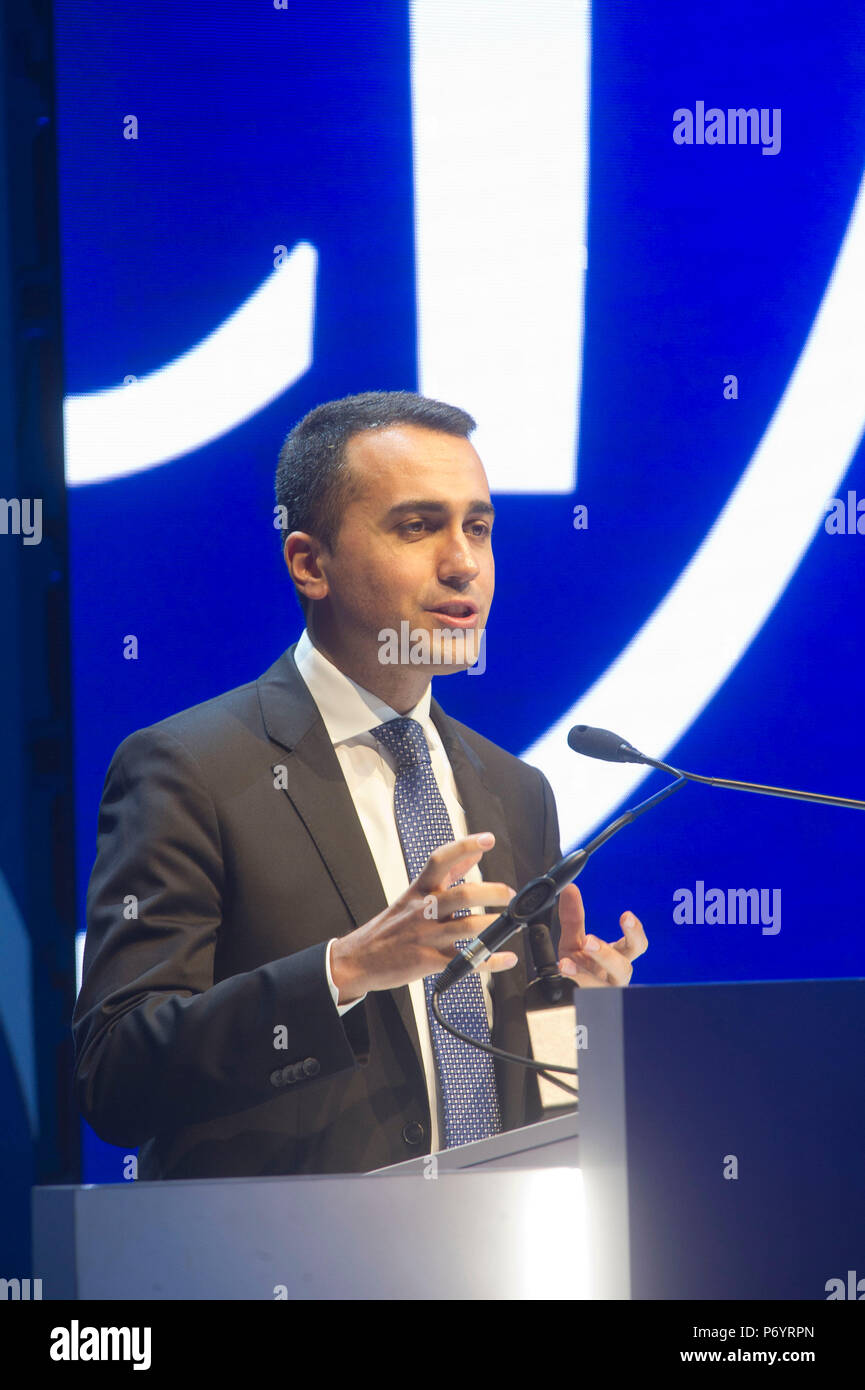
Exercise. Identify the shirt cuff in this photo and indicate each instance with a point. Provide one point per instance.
(340, 1008)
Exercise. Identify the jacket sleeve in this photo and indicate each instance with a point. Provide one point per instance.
(158, 1044)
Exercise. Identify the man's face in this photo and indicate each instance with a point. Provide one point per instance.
(414, 546)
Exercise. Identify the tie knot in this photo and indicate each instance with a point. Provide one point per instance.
(405, 739)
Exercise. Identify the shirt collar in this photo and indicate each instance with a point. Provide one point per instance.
(347, 709)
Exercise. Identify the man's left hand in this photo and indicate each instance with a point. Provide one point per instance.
(587, 959)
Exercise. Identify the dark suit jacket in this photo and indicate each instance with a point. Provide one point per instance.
(217, 884)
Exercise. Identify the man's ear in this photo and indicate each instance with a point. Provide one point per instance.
(301, 553)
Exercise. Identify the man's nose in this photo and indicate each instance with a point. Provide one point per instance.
(457, 559)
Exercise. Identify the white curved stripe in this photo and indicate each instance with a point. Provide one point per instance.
(500, 120)
(250, 359)
(674, 665)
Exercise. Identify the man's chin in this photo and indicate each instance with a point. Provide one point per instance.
(443, 649)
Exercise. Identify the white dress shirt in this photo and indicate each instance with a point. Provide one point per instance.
(349, 712)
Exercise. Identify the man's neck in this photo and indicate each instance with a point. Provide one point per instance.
(401, 687)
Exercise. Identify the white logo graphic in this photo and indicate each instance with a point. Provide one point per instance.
(500, 118)
(500, 231)
(672, 667)
(249, 360)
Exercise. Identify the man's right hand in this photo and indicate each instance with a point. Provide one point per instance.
(415, 936)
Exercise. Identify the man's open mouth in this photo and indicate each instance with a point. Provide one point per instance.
(457, 613)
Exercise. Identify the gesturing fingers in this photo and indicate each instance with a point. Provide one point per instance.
(452, 861)
(499, 960)
(634, 942)
(572, 919)
(598, 963)
(464, 896)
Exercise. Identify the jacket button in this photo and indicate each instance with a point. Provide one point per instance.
(413, 1133)
(276, 1077)
(311, 1067)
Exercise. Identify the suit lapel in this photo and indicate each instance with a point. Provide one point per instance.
(484, 811)
(316, 787)
(318, 791)
(482, 807)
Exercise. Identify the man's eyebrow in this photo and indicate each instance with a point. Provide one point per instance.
(421, 504)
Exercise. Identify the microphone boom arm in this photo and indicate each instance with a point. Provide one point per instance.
(787, 793)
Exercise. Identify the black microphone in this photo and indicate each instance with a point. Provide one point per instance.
(601, 743)
(531, 902)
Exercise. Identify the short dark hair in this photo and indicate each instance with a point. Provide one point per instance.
(313, 481)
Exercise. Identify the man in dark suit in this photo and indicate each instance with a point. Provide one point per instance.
(253, 996)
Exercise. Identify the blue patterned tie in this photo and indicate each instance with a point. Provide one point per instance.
(468, 1085)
